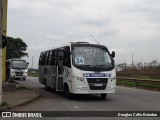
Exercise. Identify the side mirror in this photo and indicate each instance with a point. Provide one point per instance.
(113, 54)
(27, 64)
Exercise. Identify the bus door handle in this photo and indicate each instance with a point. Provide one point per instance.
(60, 76)
(57, 71)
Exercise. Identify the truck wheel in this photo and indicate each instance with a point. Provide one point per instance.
(103, 96)
(24, 78)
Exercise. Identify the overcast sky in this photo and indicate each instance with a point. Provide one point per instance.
(124, 26)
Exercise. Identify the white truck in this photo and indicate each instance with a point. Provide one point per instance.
(16, 68)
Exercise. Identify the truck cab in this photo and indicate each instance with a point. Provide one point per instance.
(16, 69)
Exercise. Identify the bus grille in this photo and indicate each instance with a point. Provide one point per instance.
(97, 83)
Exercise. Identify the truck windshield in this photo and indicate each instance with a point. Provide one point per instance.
(91, 56)
(19, 64)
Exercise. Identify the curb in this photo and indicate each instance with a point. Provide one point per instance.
(36, 97)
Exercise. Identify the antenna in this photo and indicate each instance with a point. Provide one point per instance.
(94, 39)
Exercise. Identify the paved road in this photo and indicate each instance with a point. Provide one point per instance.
(125, 99)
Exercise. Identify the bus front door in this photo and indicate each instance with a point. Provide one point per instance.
(59, 78)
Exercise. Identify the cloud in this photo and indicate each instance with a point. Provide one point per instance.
(54, 37)
(122, 25)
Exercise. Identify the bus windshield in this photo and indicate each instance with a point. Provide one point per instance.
(91, 56)
(19, 64)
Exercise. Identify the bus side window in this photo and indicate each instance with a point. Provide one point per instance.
(46, 58)
(54, 58)
(49, 58)
(41, 59)
(66, 59)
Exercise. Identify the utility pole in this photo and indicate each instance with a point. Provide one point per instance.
(4, 33)
(3, 29)
(1, 52)
(141, 63)
(132, 60)
(32, 62)
(124, 65)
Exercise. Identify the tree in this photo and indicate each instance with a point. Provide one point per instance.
(15, 48)
(122, 65)
(154, 63)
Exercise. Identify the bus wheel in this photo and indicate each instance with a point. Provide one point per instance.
(46, 87)
(103, 96)
(67, 92)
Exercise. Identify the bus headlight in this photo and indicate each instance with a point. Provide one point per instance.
(80, 79)
(112, 79)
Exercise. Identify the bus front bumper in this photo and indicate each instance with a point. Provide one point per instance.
(85, 90)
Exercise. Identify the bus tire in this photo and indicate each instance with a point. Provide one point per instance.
(46, 87)
(67, 92)
(103, 96)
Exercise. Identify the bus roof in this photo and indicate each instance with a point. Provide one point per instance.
(69, 44)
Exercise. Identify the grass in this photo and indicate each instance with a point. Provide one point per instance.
(3, 104)
(32, 74)
(151, 73)
(140, 85)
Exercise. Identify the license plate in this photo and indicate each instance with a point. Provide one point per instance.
(97, 84)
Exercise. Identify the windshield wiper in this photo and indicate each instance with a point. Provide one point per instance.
(108, 66)
(87, 65)
(104, 65)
